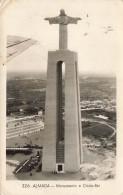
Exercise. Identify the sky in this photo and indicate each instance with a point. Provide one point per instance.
(95, 37)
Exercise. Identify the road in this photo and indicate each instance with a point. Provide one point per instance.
(19, 119)
(24, 128)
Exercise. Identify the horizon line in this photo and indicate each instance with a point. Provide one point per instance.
(80, 73)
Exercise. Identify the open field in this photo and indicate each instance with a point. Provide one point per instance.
(98, 130)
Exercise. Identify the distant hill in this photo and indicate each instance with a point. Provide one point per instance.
(28, 89)
(97, 87)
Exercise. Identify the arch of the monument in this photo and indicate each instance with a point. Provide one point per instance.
(60, 122)
(60, 101)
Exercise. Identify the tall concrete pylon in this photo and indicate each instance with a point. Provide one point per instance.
(62, 149)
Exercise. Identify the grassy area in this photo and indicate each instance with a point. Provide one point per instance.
(99, 130)
(86, 124)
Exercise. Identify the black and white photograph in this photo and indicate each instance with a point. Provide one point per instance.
(62, 60)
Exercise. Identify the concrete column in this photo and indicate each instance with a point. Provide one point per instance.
(79, 114)
(72, 145)
(62, 36)
(51, 112)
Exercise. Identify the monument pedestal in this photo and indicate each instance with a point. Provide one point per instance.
(53, 112)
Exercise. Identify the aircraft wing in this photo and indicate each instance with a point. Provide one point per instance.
(16, 45)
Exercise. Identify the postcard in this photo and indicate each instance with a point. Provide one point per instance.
(61, 97)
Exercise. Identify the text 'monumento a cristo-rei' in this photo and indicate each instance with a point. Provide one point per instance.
(62, 149)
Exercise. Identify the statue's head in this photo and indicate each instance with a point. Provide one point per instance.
(62, 12)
